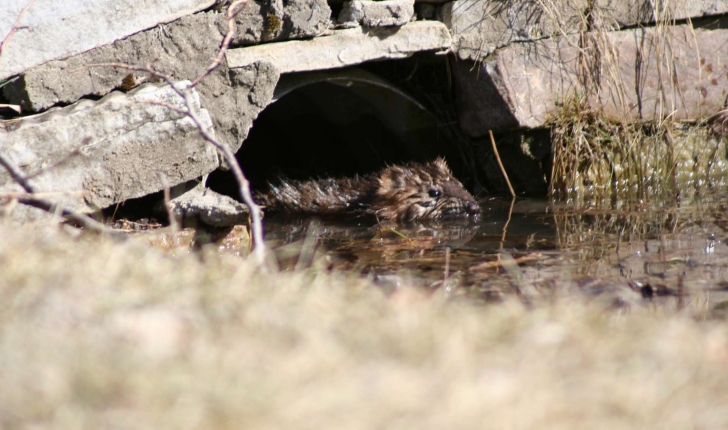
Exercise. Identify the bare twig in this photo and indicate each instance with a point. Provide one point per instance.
(53, 208)
(168, 203)
(508, 221)
(19, 194)
(500, 163)
(16, 108)
(186, 92)
(16, 175)
(15, 26)
(57, 164)
(191, 112)
(231, 13)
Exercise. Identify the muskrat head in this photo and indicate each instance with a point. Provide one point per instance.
(421, 191)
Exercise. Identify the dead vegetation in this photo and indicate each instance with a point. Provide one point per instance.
(186, 92)
(600, 160)
(98, 334)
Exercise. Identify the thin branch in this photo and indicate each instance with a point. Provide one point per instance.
(59, 163)
(243, 184)
(16, 108)
(191, 112)
(16, 175)
(16, 26)
(69, 215)
(173, 223)
(508, 221)
(232, 12)
(500, 163)
(20, 194)
(52, 208)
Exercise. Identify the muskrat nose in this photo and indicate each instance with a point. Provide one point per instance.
(473, 208)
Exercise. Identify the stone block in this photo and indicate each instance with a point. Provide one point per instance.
(182, 49)
(91, 155)
(345, 47)
(57, 29)
(633, 12)
(675, 72)
(210, 208)
(481, 26)
(278, 20)
(376, 13)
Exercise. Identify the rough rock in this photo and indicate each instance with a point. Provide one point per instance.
(210, 208)
(90, 155)
(376, 13)
(525, 83)
(58, 29)
(183, 49)
(281, 20)
(633, 12)
(481, 26)
(345, 47)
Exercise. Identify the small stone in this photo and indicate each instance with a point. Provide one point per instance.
(376, 13)
(210, 208)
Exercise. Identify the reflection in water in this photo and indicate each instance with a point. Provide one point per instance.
(674, 255)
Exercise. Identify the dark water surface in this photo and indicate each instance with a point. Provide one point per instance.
(675, 253)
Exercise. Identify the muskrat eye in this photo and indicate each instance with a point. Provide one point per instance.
(434, 193)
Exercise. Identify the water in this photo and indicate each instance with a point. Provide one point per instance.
(674, 254)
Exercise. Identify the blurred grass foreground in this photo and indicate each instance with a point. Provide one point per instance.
(97, 334)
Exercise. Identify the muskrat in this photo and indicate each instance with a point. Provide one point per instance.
(409, 192)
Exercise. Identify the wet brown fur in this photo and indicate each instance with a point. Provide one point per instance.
(408, 192)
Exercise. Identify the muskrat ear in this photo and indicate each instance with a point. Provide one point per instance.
(441, 165)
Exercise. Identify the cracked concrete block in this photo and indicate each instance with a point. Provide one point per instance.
(482, 26)
(281, 20)
(91, 155)
(345, 47)
(183, 49)
(525, 83)
(210, 208)
(57, 29)
(633, 12)
(376, 13)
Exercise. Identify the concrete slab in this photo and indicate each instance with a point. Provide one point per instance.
(58, 29)
(182, 49)
(481, 26)
(91, 155)
(277, 20)
(345, 47)
(685, 79)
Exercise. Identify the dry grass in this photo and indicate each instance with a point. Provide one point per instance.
(601, 160)
(96, 335)
(598, 162)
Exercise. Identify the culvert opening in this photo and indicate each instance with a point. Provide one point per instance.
(335, 124)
